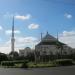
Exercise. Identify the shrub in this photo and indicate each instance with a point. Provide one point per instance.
(7, 63)
(24, 65)
(13, 63)
(64, 62)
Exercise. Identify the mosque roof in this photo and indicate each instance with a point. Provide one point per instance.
(49, 40)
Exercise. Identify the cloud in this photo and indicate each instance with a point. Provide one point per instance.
(1, 28)
(22, 17)
(26, 41)
(17, 16)
(68, 16)
(33, 26)
(68, 33)
(68, 37)
(20, 43)
(10, 31)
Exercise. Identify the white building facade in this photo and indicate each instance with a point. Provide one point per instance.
(25, 52)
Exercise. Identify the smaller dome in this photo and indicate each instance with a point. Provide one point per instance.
(27, 48)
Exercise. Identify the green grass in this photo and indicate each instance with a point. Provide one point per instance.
(41, 65)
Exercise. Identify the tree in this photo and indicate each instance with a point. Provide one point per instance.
(60, 46)
(3, 57)
(14, 55)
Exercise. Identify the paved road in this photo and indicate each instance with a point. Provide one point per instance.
(69, 70)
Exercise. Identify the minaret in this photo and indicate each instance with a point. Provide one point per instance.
(41, 36)
(47, 32)
(12, 37)
(57, 37)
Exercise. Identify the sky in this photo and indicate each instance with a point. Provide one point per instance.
(33, 17)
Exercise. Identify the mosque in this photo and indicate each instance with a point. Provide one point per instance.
(51, 45)
(48, 45)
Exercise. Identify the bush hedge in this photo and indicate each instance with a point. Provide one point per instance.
(64, 62)
(6, 63)
(13, 63)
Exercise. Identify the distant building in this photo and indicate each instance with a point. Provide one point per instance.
(25, 52)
